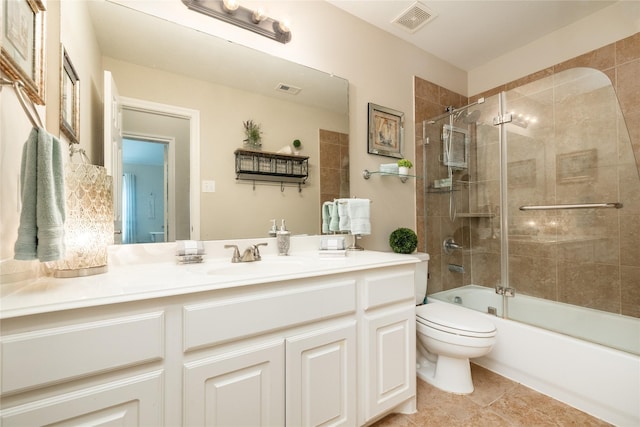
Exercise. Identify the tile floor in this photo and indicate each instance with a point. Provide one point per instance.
(496, 402)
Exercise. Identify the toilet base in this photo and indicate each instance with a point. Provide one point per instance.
(449, 374)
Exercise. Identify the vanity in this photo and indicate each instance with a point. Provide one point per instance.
(298, 340)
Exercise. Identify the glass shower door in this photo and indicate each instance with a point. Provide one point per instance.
(568, 152)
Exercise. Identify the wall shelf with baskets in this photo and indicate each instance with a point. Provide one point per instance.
(272, 167)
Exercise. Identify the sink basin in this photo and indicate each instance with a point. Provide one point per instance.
(267, 266)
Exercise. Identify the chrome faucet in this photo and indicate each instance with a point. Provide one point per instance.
(449, 245)
(252, 253)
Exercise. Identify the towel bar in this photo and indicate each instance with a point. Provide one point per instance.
(616, 205)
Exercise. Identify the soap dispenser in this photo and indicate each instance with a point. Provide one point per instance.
(283, 239)
(274, 230)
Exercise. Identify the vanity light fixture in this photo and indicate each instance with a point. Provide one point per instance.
(232, 12)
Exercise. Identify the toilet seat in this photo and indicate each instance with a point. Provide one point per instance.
(454, 320)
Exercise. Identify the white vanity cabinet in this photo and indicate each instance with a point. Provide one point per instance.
(387, 348)
(283, 354)
(236, 388)
(333, 349)
(53, 375)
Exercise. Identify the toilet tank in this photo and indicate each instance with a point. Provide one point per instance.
(422, 270)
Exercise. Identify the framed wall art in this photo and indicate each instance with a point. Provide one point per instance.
(69, 99)
(22, 52)
(386, 131)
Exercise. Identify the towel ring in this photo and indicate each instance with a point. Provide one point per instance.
(29, 108)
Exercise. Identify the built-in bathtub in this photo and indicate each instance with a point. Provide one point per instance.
(601, 380)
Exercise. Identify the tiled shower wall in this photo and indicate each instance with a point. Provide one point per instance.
(613, 286)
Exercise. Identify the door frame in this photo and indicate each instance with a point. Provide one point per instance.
(193, 116)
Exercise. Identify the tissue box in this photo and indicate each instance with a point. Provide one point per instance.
(332, 243)
(189, 247)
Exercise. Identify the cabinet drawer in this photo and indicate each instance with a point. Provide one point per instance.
(388, 288)
(238, 317)
(48, 356)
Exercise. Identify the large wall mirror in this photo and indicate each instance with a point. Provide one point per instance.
(159, 61)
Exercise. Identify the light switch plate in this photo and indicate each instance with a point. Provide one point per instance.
(208, 186)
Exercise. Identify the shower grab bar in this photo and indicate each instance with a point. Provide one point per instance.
(616, 205)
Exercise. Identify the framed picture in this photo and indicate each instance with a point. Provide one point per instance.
(69, 99)
(386, 131)
(22, 52)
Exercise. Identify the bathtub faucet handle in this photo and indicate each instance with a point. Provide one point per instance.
(449, 245)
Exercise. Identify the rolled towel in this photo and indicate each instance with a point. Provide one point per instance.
(359, 213)
(327, 207)
(334, 224)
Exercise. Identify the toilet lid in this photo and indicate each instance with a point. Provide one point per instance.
(453, 319)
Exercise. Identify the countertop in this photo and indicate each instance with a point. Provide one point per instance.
(145, 271)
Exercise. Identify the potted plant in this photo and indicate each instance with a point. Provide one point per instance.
(253, 134)
(403, 241)
(403, 166)
(297, 145)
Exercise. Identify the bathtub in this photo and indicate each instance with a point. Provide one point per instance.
(601, 380)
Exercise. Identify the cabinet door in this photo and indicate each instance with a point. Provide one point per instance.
(388, 359)
(321, 377)
(133, 401)
(238, 388)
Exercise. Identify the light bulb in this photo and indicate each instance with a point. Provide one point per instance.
(258, 16)
(230, 6)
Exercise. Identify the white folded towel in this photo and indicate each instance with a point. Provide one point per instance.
(359, 214)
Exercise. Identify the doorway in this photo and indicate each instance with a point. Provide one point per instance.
(145, 189)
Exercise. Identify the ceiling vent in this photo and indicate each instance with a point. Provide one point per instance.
(414, 18)
(291, 90)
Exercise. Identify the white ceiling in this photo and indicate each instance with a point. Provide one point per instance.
(470, 33)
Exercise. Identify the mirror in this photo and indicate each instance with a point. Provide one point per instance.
(159, 61)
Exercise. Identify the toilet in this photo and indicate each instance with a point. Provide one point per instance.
(447, 337)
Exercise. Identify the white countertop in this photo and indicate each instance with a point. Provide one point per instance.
(144, 271)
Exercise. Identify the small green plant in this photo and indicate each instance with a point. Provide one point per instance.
(252, 132)
(297, 144)
(403, 241)
(406, 163)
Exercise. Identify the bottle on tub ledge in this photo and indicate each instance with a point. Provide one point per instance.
(283, 238)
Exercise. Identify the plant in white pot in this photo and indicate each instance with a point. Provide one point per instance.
(403, 166)
(297, 145)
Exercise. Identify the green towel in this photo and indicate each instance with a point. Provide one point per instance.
(41, 230)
